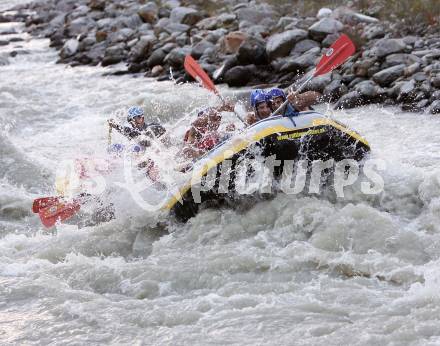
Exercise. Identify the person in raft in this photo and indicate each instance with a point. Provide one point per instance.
(265, 103)
(137, 127)
(203, 135)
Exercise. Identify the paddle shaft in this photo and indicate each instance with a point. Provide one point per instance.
(324, 66)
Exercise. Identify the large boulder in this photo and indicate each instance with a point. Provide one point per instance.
(389, 75)
(148, 12)
(435, 107)
(141, 48)
(319, 83)
(402, 58)
(350, 100)
(177, 55)
(325, 26)
(368, 89)
(256, 15)
(200, 48)
(299, 64)
(334, 90)
(156, 58)
(232, 41)
(252, 51)
(435, 81)
(221, 21)
(304, 46)
(279, 45)
(114, 54)
(69, 48)
(387, 46)
(79, 26)
(185, 15)
(237, 76)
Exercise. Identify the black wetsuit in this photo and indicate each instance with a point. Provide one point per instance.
(151, 130)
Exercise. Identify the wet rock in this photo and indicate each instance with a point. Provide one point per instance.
(122, 35)
(299, 64)
(148, 12)
(329, 40)
(419, 76)
(407, 91)
(435, 107)
(319, 83)
(79, 26)
(435, 81)
(156, 70)
(401, 58)
(252, 51)
(177, 55)
(355, 82)
(69, 48)
(374, 31)
(285, 21)
(185, 15)
(256, 14)
(389, 75)
(350, 100)
(141, 48)
(114, 54)
(410, 40)
(200, 48)
(97, 5)
(164, 12)
(411, 69)
(305, 45)
(279, 45)
(434, 96)
(387, 46)
(221, 21)
(237, 76)
(324, 13)
(422, 104)
(156, 58)
(176, 28)
(334, 90)
(258, 31)
(95, 54)
(325, 26)
(360, 68)
(232, 41)
(100, 36)
(368, 89)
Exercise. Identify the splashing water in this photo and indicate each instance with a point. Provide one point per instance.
(293, 270)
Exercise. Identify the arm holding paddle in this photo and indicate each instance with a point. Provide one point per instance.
(303, 101)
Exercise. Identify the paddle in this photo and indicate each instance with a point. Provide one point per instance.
(58, 212)
(197, 72)
(335, 56)
(43, 202)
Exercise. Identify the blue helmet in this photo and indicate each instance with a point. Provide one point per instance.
(116, 148)
(254, 94)
(277, 92)
(263, 97)
(134, 112)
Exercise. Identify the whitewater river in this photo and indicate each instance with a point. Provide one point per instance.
(295, 270)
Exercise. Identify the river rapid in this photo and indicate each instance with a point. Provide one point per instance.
(294, 270)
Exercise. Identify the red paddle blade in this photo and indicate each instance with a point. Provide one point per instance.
(44, 202)
(339, 51)
(62, 211)
(196, 71)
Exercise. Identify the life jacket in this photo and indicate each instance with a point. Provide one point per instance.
(205, 141)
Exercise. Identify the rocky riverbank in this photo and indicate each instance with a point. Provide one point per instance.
(245, 44)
